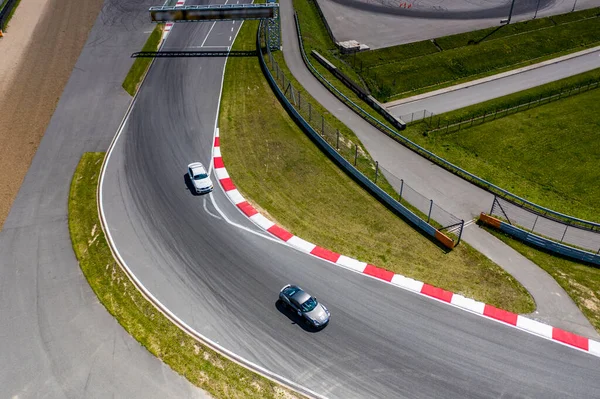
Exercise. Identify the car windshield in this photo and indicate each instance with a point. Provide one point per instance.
(200, 176)
(290, 291)
(309, 305)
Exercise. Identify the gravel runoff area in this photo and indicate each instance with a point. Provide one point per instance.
(39, 50)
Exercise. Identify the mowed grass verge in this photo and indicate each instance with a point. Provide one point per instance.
(475, 54)
(140, 65)
(580, 281)
(548, 154)
(200, 365)
(277, 167)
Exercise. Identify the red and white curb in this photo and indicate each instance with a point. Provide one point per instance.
(480, 308)
(169, 25)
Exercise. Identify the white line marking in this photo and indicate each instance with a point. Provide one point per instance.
(232, 28)
(239, 226)
(207, 47)
(209, 212)
(229, 38)
(210, 30)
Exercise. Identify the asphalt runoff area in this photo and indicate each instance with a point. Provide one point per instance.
(385, 23)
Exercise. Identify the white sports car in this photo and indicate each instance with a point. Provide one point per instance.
(199, 178)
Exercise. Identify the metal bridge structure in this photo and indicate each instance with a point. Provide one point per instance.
(224, 12)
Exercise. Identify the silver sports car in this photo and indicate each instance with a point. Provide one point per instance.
(304, 305)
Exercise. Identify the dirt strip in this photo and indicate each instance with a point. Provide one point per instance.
(38, 53)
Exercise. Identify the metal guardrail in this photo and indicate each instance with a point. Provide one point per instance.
(378, 192)
(5, 12)
(442, 162)
(541, 242)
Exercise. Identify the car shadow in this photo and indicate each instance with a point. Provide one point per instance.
(190, 185)
(295, 319)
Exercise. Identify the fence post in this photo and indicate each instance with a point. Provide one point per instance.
(412, 116)
(322, 125)
(355, 153)
(430, 206)
(462, 226)
(495, 113)
(535, 222)
(438, 122)
(376, 171)
(337, 141)
(447, 126)
(472, 120)
(401, 187)
(484, 112)
(563, 236)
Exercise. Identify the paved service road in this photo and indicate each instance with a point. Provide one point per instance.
(454, 99)
(211, 267)
(56, 340)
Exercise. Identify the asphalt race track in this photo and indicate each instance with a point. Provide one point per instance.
(383, 23)
(215, 270)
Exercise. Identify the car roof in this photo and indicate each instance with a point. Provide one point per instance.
(197, 167)
(301, 296)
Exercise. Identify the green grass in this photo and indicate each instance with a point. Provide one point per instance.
(547, 154)
(580, 281)
(200, 365)
(278, 168)
(405, 70)
(10, 14)
(347, 141)
(140, 65)
(478, 36)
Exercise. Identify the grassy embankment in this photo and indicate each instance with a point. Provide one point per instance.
(200, 365)
(278, 168)
(548, 154)
(581, 282)
(140, 65)
(405, 70)
(400, 71)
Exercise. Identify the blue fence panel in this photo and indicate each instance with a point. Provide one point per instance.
(550, 245)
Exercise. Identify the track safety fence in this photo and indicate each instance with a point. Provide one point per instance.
(355, 154)
(434, 123)
(544, 226)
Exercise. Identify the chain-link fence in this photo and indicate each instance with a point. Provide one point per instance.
(434, 123)
(416, 116)
(425, 207)
(544, 226)
(349, 148)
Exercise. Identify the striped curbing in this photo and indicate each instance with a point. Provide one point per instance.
(459, 301)
(169, 25)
